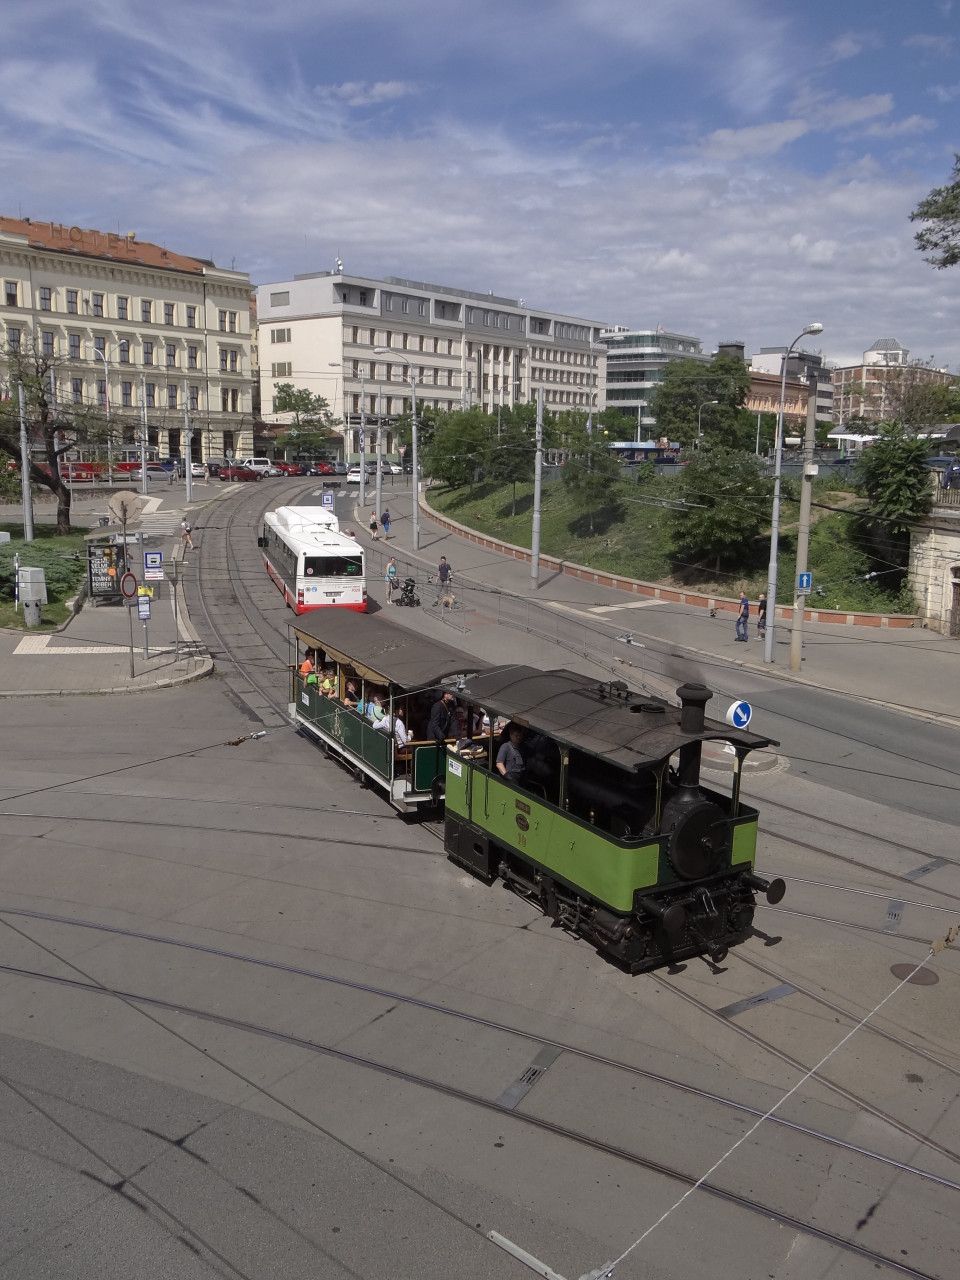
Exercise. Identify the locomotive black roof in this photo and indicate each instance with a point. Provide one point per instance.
(379, 647)
(632, 731)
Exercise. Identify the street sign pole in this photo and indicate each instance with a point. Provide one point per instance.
(129, 605)
(174, 582)
(803, 524)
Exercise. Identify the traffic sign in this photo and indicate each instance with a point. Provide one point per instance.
(128, 585)
(143, 608)
(153, 566)
(804, 582)
(739, 714)
(328, 498)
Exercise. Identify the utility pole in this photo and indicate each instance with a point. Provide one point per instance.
(143, 435)
(187, 443)
(803, 527)
(415, 458)
(363, 441)
(537, 485)
(25, 467)
(379, 494)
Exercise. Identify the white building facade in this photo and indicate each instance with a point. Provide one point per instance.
(636, 359)
(321, 331)
(134, 328)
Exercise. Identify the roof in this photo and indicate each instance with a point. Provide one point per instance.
(886, 344)
(303, 522)
(631, 731)
(387, 650)
(82, 242)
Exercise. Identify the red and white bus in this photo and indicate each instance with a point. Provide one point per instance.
(314, 565)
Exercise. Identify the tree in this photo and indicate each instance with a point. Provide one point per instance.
(939, 239)
(892, 474)
(53, 430)
(687, 385)
(314, 426)
(725, 507)
(457, 447)
(913, 395)
(511, 448)
(590, 473)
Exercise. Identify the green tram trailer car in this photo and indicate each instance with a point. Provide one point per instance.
(609, 829)
(384, 660)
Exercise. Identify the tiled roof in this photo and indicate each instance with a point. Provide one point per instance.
(886, 344)
(81, 242)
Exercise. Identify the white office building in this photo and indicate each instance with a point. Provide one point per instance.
(321, 331)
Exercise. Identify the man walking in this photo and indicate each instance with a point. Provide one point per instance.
(743, 618)
(761, 616)
(385, 519)
(444, 578)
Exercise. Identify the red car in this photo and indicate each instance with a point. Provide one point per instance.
(322, 469)
(290, 468)
(239, 473)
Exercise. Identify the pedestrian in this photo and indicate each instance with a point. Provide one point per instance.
(441, 718)
(186, 534)
(743, 617)
(392, 579)
(761, 616)
(444, 578)
(385, 522)
(374, 527)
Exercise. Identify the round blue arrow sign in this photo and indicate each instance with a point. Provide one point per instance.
(739, 714)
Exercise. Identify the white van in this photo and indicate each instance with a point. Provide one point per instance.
(262, 465)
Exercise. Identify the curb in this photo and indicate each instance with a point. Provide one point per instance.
(205, 669)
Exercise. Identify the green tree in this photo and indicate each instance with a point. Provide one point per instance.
(457, 447)
(725, 505)
(893, 476)
(511, 448)
(313, 428)
(939, 238)
(590, 473)
(687, 385)
(53, 430)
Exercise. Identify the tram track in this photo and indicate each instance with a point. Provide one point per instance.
(523, 1118)
(446, 1011)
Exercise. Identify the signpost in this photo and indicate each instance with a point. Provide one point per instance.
(804, 583)
(153, 566)
(328, 499)
(143, 613)
(739, 714)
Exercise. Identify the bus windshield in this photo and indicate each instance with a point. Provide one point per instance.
(332, 566)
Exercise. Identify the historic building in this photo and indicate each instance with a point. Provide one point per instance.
(133, 327)
(356, 341)
(870, 391)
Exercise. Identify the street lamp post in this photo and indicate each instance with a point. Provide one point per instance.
(336, 364)
(414, 443)
(700, 419)
(768, 638)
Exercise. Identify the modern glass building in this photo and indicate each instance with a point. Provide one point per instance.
(636, 359)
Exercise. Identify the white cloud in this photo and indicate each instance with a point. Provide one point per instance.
(939, 45)
(363, 93)
(900, 128)
(754, 140)
(846, 46)
(827, 111)
(945, 93)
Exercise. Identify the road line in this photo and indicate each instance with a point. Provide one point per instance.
(635, 604)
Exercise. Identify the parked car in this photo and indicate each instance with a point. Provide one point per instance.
(155, 471)
(353, 475)
(290, 468)
(237, 471)
(339, 468)
(322, 468)
(263, 465)
(214, 465)
(198, 471)
(393, 468)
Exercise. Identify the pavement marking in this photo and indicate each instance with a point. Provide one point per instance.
(934, 865)
(894, 915)
(567, 608)
(150, 505)
(516, 1092)
(635, 604)
(739, 1006)
(33, 646)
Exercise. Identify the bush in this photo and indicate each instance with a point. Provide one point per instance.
(62, 560)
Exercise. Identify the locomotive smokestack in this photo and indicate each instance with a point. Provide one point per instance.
(693, 699)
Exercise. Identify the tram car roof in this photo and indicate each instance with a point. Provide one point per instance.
(628, 729)
(384, 650)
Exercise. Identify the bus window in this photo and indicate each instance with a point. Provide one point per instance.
(332, 567)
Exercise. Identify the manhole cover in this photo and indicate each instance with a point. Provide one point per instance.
(922, 977)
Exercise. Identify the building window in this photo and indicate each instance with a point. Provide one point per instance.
(11, 293)
(280, 299)
(98, 304)
(421, 308)
(100, 346)
(13, 338)
(223, 359)
(405, 306)
(74, 346)
(171, 395)
(151, 390)
(171, 355)
(168, 313)
(194, 398)
(72, 308)
(123, 308)
(282, 370)
(225, 400)
(46, 297)
(405, 341)
(192, 358)
(222, 321)
(147, 352)
(146, 311)
(363, 297)
(76, 390)
(191, 317)
(373, 337)
(102, 392)
(47, 342)
(232, 321)
(354, 334)
(234, 399)
(126, 394)
(124, 348)
(279, 335)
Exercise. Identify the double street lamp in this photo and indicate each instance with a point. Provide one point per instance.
(414, 450)
(768, 639)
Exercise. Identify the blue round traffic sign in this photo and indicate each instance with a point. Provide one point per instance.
(739, 714)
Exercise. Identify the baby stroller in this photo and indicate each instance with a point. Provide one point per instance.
(408, 593)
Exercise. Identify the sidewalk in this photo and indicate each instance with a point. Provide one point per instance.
(91, 653)
(912, 670)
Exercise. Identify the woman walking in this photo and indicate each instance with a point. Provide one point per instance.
(374, 527)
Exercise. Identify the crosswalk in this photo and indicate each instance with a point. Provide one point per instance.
(159, 522)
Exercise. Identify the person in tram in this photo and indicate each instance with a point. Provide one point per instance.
(328, 685)
(307, 666)
(351, 697)
(376, 712)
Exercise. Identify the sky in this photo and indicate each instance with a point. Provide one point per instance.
(732, 170)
